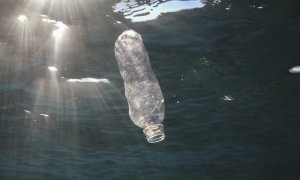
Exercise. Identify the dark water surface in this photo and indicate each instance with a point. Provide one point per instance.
(232, 107)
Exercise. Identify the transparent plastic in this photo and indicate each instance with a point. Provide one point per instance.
(142, 90)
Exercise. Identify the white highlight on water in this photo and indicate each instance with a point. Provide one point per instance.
(28, 112)
(44, 115)
(295, 69)
(145, 12)
(60, 27)
(90, 80)
(22, 18)
(227, 98)
(57, 33)
(52, 68)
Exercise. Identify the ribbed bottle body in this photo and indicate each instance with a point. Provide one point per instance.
(142, 90)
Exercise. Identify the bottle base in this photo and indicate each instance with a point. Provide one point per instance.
(154, 133)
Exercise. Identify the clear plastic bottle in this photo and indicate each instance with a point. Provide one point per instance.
(143, 93)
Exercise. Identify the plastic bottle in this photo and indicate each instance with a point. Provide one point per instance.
(143, 93)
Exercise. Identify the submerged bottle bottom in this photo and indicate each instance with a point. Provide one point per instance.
(154, 133)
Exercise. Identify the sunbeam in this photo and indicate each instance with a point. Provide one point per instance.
(55, 59)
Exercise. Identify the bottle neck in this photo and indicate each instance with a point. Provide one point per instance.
(154, 133)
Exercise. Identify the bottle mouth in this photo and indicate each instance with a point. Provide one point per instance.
(154, 133)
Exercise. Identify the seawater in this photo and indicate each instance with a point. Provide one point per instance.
(232, 106)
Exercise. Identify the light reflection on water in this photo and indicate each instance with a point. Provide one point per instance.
(139, 11)
(225, 81)
(22, 18)
(59, 29)
(52, 68)
(89, 80)
(40, 64)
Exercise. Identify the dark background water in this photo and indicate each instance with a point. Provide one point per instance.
(232, 107)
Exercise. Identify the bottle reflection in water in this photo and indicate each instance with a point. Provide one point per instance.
(143, 93)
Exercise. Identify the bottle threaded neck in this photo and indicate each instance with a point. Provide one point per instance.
(154, 133)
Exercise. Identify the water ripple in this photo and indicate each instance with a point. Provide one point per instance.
(139, 11)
